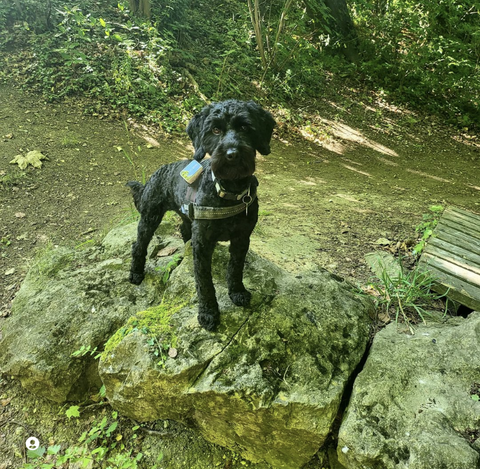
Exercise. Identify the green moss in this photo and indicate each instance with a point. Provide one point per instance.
(153, 322)
(49, 261)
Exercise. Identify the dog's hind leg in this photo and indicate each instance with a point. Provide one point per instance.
(186, 229)
(146, 229)
(239, 295)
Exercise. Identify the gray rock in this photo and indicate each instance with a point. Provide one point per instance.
(384, 266)
(268, 384)
(74, 300)
(412, 404)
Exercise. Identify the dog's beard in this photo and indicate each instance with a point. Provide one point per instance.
(242, 167)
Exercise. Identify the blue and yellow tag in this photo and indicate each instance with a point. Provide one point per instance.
(191, 172)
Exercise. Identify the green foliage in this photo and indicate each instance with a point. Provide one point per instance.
(86, 350)
(72, 411)
(99, 446)
(165, 68)
(424, 53)
(5, 241)
(167, 269)
(429, 222)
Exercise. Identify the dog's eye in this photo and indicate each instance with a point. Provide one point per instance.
(216, 131)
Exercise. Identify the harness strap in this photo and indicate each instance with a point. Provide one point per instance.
(216, 213)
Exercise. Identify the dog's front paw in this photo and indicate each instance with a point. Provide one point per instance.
(136, 278)
(208, 318)
(241, 298)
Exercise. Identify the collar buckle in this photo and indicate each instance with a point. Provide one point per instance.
(224, 194)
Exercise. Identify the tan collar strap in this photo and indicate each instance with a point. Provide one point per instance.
(224, 194)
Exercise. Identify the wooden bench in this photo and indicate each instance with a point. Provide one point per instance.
(452, 255)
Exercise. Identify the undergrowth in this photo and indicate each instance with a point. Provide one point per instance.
(165, 68)
(105, 444)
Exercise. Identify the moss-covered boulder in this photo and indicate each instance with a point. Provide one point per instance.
(268, 384)
(71, 302)
(416, 403)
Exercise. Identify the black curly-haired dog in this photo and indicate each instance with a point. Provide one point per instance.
(219, 205)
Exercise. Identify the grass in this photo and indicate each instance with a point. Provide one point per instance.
(408, 297)
(259, 229)
(11, 178)
(70, 141)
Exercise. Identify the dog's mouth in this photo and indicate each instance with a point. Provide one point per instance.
(235, 163)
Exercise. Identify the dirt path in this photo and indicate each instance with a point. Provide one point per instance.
(323, 203)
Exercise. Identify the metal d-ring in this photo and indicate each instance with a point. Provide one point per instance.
(247, 199)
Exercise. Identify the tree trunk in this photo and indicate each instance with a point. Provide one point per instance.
(141, 7)
(337, 18)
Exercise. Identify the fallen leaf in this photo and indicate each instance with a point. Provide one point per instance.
(384, 317)
(382, 242)
(10, 271)
(31, 158)
(5, 402)
(20, 215)
(172, 352)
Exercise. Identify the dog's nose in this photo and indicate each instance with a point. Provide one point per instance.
(231, 154)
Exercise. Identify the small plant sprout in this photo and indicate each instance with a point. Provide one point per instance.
(429, 222)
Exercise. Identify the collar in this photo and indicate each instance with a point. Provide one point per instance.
(224, 194)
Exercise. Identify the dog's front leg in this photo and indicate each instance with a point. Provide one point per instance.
(208, 314)
(145, 232)
(239, 295)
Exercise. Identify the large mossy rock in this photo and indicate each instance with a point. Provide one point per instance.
(268, 384)
(416, 402)
(73, 300)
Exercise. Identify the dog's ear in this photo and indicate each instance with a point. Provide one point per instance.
(265, 123)
(195, 132)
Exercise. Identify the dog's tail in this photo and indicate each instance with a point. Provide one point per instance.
(137, 191)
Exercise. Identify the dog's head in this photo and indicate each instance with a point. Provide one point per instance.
(231, 132)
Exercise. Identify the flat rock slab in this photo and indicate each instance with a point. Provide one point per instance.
(384, 266)
(416, 402)
(268, 384)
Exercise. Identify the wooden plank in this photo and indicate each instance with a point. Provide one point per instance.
(456, 238)
(460, 220)
(462, 285)
(463, 274)
(464, 213)
(453, 256)
(444, 248)
(463, 229)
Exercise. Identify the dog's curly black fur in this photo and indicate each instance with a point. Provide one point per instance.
(230, 132)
